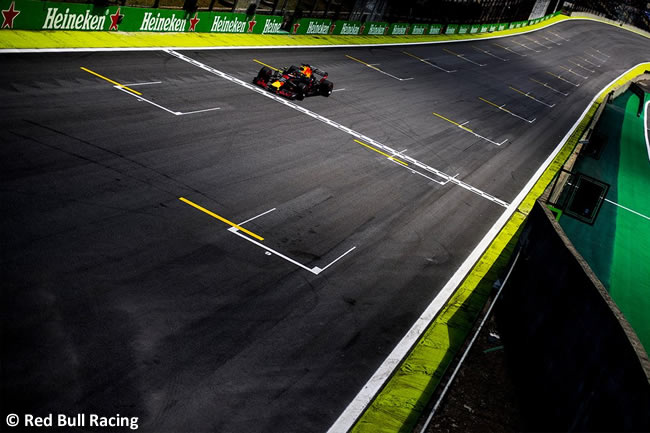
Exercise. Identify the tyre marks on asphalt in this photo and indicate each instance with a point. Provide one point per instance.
(387, 149)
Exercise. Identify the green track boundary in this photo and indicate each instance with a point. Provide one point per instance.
(401, 401)
(61, 39)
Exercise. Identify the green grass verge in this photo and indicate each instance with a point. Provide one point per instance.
(28, 39)
(400, 403)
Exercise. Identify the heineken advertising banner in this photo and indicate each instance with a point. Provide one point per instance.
(375, 28)
(463, 29)
(475, 28)
(435, 29)
(312, 26)
(36, 15)
(348, 28)
(452, 29)
(419, 29)
(398, 29)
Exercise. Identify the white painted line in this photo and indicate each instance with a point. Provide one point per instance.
(549, 87)
(591, 63)
(392, 76)
(526, 46)
(628, 209)
(528, 95)
(180, 113)
(271, 250)
(413, 171)
(142, 84)
(315, 270)
(427, 62)
(559, 77)
(336, 260)
(490, 54)
(600, 52)
(374, 68)
(505, 110)
(573, 72)
(583, 67)
(647, 142)
(175, 113)
(555, 34)
(256, 217)
(140, 98)
(551, 41)
(462, 126)
(597, 58)
(538, 43)
(511, 50)
(349, 416)
(338, 126)
(338, 90)
(462, 56)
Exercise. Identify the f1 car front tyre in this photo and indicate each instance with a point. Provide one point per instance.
(326, 88)
(264, 74)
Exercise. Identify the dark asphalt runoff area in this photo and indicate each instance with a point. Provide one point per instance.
(119, 298)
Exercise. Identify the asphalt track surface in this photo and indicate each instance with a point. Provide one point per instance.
(118, 297)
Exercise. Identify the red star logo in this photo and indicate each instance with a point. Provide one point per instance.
(115, 20)
(8, 16)
(295, 28)
(332, 27)
(194, 21)
(407, 30)
(363, 27)
(386, 30)
(251, 24)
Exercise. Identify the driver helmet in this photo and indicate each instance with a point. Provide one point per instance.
(306, 70)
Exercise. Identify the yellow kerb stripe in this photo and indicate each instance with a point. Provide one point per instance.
(111, 81)
(220, 218)
(382, 153)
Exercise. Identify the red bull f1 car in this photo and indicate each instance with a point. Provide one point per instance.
(295, 82)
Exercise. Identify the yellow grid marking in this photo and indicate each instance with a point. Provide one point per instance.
(500, 107)
(111, 81)
(382, 153)
(525, 94)
(491, 103)
(413, 55)
(451, 52)
(220, 218)
(455, 123)
(264, 64)
(363, 63)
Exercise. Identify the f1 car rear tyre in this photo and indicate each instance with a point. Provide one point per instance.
(326, 88)
(301, 88)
